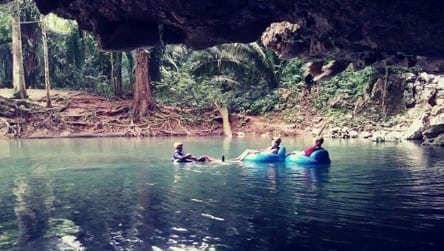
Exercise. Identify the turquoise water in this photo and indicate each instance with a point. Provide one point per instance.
(126, 194)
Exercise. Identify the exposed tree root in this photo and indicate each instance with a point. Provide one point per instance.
(85, 115)
(8, 127)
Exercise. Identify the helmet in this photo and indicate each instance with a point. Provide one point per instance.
(277, 140)
(177, 144)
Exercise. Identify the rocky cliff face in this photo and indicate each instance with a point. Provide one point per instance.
(415, 102)
(359, 31)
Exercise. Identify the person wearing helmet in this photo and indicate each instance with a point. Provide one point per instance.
(274, 149)
(181, 156)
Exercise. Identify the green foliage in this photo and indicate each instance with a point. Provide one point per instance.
(30, 36)
(5, 66)
(176, 89)
(262, 105)
(128, 70)
(75, 51)
(59, 25)
(292, 79)
(102, 87)
(155, 60)
(5, 48)
(292, 75)
(75, 60)
(77, 63)
(341, 92)
(31, 43)
(5, 26)
(239, 76)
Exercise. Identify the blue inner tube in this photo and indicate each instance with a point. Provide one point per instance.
(182, 161)
(267, 157)
(318, 157)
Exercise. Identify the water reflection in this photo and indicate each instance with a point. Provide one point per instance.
(315, 176)
(32, 212)
(34, 205)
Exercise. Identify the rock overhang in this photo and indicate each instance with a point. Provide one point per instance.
(360, 31)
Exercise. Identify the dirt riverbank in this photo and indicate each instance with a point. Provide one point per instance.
(80, 114)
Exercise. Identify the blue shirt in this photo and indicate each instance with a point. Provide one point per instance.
(180, 155)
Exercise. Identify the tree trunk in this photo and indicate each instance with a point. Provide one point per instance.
(31, 41)
(142, 98)
(46, 61)
(116, 73)
(225, 120)
(18, 77)
(155, 61)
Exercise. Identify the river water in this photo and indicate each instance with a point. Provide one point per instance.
(126, 194)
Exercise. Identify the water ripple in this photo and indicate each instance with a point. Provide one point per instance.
(388, 197)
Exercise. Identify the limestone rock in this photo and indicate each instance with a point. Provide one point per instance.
(379, 136)
(414, 132)
(393, 136)
(433, 131)
(354, 134)
(437, 115)
(438, 141)
(366, 135)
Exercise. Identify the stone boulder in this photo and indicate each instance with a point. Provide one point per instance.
(438, 141)
(393, 136)
(433, 132)
(414, 132)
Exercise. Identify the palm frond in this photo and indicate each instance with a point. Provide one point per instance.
(253, 55)
(212, 66)
(169, 62)
(176, 51)
(215, 52)
(223, 79)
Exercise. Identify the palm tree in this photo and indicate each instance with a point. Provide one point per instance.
(233, 72)
(242, 73)
(239, 59)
